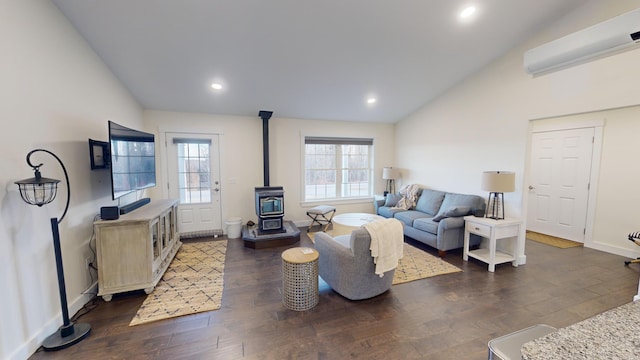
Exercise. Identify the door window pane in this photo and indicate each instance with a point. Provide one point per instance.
(194, 173)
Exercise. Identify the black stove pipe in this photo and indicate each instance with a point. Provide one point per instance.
(265, 115)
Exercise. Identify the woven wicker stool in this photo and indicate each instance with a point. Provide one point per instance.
(300, 278)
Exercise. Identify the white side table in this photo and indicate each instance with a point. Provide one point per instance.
(493, 230)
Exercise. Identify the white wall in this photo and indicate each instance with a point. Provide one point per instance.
(55, 94)
(287, 149)
(617, 212)
(483, 124)
(241, 156)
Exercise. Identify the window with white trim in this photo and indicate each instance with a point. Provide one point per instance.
(337, 168)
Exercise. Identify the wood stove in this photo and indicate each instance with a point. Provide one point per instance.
(270, 209)
(272, 230)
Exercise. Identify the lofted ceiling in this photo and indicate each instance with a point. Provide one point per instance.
(302, 59)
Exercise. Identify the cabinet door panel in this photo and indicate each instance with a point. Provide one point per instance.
(125, 253)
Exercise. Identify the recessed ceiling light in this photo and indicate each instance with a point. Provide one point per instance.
(467, 12)
(216, 86)
(371, 100)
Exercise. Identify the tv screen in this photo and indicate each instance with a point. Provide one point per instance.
(133, 160)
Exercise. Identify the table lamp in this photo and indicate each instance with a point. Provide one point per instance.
(497, 183)
(390, 174)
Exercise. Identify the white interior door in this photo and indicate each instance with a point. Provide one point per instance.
(559, 182)
(193, 170)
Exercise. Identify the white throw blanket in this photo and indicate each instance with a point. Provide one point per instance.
(409, 198)
(387, 244)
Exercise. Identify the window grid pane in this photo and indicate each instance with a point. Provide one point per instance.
(194, 175)
(337, 171)
(355, 171)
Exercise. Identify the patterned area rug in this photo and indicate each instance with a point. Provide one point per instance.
(552, 240)
(417, 264)
(193, 283)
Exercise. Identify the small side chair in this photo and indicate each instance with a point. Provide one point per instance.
(635, 238)
(321, 215)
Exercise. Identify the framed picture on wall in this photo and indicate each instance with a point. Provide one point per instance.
(99, 154)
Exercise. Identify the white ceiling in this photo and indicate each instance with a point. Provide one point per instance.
(302, 59)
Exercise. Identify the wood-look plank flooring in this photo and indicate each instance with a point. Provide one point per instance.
(450, 316)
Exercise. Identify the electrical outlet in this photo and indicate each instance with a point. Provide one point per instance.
(87, 263)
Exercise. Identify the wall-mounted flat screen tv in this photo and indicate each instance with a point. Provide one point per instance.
(133, 160)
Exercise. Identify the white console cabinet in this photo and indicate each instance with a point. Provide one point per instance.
(134, 251)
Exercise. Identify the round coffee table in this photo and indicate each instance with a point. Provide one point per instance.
(345, 223)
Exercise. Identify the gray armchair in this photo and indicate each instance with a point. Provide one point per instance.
(346, 264)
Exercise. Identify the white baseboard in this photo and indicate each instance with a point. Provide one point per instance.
(30, 346)
(302, 223)
(612, 249)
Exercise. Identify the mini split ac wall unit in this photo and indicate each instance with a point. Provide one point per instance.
(606, 38)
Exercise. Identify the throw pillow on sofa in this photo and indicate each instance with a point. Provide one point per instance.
(453, 212)
(391, 200)
(430, 201)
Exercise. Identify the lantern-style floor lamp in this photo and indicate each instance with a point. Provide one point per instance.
(40, 191)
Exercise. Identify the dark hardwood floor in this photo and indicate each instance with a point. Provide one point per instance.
(445, 317)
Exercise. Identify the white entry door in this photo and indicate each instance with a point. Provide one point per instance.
(193, 168)
(559, 182)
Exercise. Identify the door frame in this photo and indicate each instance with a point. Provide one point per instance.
(570, 122)
(164, 176)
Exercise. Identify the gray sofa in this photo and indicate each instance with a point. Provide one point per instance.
(345, 263)
(437, 218)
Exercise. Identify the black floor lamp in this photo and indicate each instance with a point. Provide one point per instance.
(40, 191)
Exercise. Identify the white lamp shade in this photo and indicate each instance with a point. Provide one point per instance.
(389, 173)
(499, 181)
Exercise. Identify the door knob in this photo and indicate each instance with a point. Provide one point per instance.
(216, 189)
(531, 187)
